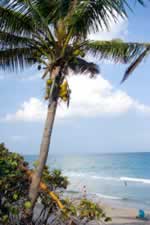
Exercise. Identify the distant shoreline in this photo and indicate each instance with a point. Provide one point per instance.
(88, 153)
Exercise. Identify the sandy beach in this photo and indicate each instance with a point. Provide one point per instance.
(125, 216)
(120, 214)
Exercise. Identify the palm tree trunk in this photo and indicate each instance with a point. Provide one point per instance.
(33, 193)
(44, 149)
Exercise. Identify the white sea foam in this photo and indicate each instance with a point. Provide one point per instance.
(117, 179)
(108, 197)
(71, 191)
(137, 180)
(73, 174)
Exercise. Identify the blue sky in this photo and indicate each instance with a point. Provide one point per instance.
(104, 116)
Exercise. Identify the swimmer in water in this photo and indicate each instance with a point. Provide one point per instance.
(125, 183)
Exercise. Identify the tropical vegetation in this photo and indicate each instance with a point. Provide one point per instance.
(14, 201)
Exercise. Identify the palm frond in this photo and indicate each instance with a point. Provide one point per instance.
(115, 50)
(26, 29)
(134, 65)
(32, 9)
(94, 15)
(20, 6)
(53, 10)
(79, 65)
(17, 58)
(15, 22)
(86, 14)
(8, 40)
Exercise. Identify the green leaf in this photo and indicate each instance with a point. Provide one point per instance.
(135, 63)
(15, 22)
(117, 51)
(8, 40)
(79, 65)
(97, 15)
(14, 59)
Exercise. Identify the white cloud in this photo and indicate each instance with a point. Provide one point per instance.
(31, 110)
(97, 97)
(89, 98)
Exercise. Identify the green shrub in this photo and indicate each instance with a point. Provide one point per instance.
(14, 187)
(14, 202)
(91, 211)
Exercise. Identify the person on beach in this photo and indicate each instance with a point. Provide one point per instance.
(84, 192)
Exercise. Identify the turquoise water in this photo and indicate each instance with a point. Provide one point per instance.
(121, 178)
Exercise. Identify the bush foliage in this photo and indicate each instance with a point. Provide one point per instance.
(14, 202)
(14, 187)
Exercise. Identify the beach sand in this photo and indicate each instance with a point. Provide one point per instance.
(120, 213)
(125, 216)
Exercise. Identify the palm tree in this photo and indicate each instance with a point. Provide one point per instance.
(53, 35)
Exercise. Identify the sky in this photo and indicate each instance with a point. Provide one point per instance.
(103, 116)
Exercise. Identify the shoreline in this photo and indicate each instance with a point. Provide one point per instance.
(116, 202)
(121, 214)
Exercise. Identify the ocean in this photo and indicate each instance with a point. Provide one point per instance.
(123, 179)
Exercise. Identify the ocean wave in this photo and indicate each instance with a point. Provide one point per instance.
(71, 191)
(109, 197)
(74, 174)
(117, 179)
(137, 180)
